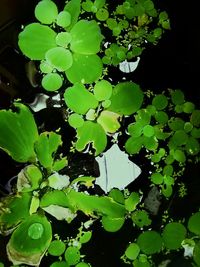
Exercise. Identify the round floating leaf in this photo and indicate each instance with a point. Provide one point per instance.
(63, 19)
(75, 120)
(173, 235)
(194, 222)
(112, 23)
(150, 242)
(196, 253)
(195, 133)
(141, 262)
(188, 127)
(180, 138)
(177, 97)
(91, 132)
(18, 133)
(168, 170)
(179, 155)
(82, 264)
(195, 118)
(85, 69)
(63, 39)
(52, 82)
(140, 218)
(102, 14)
(160, 102)
(148, 131)
(126, 99)
(85, 237)
(45, 67)
(106, 103)
(150, 143)
(56, 248)
(30, 240)
(134, 144)
(117, 195)
(46, 11)
(161, 117)
(135, 129)
(35, 40)
(79, 99)
(192, 146)
(60, 58)
(176, 124)
(167, 190)
(109, 121)
(157, 178)
(132, 201)
(59, 264)
(72, 255)
(112, 224)
(188, 107)
(86, 37)
(132, 251)
(103, 90)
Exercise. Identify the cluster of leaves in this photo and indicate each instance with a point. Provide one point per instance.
(173, 120)
(173, 236)
(131, 24)
(65, 46)
(96, 112)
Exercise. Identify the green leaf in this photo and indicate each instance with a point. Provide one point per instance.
(58, 181)
(196, 253)
(56, 248)
(17, 209)
(52, 82)
(157, 178)
(75, 120)
(99, 3)
(194, 222)
(72, 255)
(47, 144)
(195, 118)
(160, 102)
(167, 190)
(179, 155)
(46, 11)
(102, 90)
(45, 67)
(91, 132)
(192, 146)
(133, 145)
(112, 224)
(132, 201)
(126, 99)
(59, 164)
(86, 37)
(35, 40)
(85, 237)
(79, 99)
(150, 242)
(179, 138)
(63, 39)
(132, 251)
(85, 69)
(60, 58)
(117, 195)
(30, 240)
(82, 264)
(63, 19)
(176, 124)
(102, 14)
(188, 107)
(18, 133)
(55, 197)
(148, 131)
(74, 8)
(109, 121)
(161, 117)
(141, 218)
(173, 235)
(177, 95)
(59, 264)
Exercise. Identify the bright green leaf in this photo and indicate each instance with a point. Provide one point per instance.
(46, 11)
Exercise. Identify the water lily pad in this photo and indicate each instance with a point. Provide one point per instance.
(134, 144)
(91, 132)
(56, 248)
(148, 131)
(35, 40)
(59, 264)
(85, 69)
(126, 99)
(79, 99)
(52, 82)
(63, 19)
(132, 251)
(30, 240)
(85, 237)
(46, 11)
(194, 222)
(45, 67)
(192, 146)
(102, 14)
(157, 178)
(173, 235)
(160, 102)
(150, 242)
(60, 58)
(177, 96)
(86, 37)
(188, 107)
(18, 133)
(75, 120)
(195, 118)
(72, 255)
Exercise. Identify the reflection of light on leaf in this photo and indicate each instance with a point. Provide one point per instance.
(116, 170)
